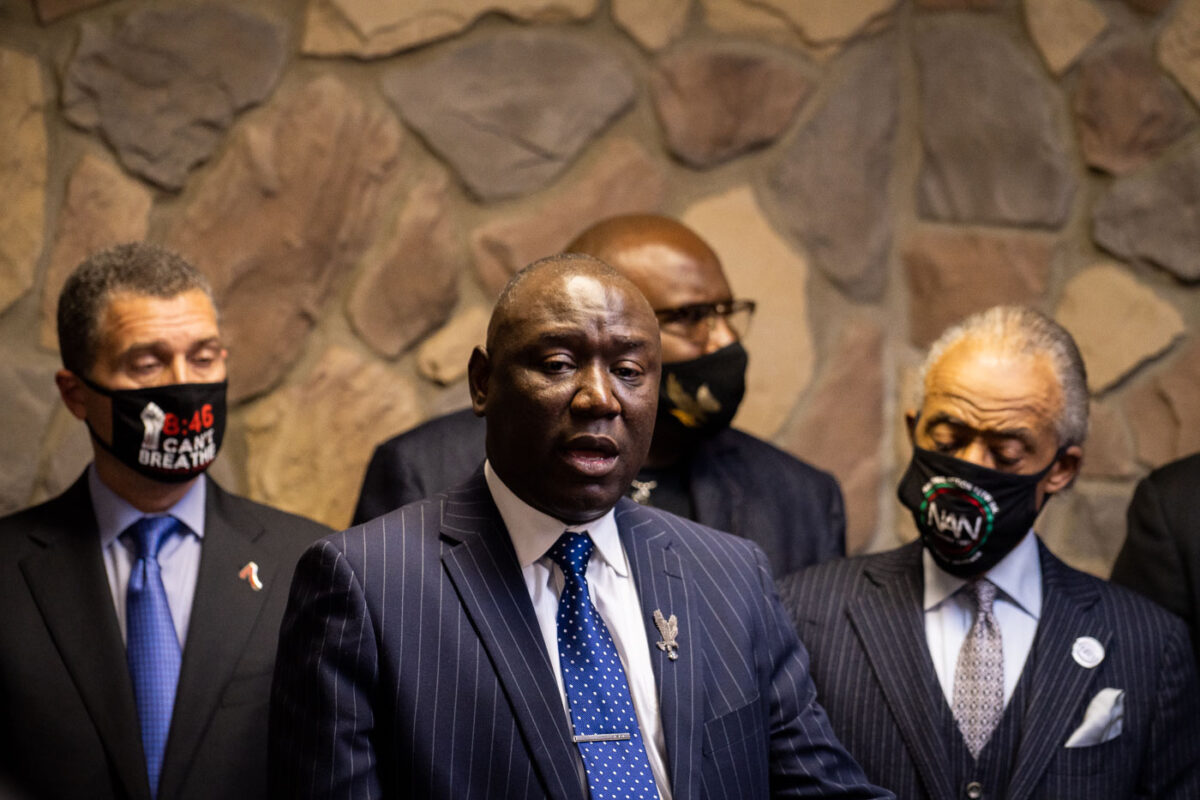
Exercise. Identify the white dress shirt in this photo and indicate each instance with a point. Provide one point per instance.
(179, 556)
(613, 594)
(950, 613)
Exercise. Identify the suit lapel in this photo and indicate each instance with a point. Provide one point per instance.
(1059, 684)
(67, 581)
(224, 611)
(887, 618)
(658, 572)
(483, 567)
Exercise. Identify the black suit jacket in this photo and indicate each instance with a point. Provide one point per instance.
(68, 722)
(738, 483)
(863, 623)
(411, 665)
(1161, 556)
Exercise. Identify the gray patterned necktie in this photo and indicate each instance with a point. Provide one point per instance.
(979, 677)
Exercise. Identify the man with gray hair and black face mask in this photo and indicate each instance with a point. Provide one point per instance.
(141, 606)
(973, 663)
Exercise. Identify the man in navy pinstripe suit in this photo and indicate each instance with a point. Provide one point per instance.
(973, 663)
(419, 652)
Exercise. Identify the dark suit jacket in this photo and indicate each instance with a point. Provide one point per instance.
(411, 665)
(1161, 556)
(738, 484)
(863, 623)
(68, 722)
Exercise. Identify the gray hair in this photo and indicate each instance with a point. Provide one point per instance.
(1023, 330)
(136, 268)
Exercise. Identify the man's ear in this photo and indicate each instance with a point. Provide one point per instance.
(1064, 471)
(479, 369)
(910, 422)
(72, 391)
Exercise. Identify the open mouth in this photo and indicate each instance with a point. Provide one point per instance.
(594, 456)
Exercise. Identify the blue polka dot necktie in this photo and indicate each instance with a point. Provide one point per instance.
(606, 727)
(152, 647)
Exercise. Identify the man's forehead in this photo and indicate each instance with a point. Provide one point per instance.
(989, 378)
(145, 316)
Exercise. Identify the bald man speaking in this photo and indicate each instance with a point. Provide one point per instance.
(698, 466)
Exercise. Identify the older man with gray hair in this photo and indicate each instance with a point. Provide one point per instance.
(973, 663)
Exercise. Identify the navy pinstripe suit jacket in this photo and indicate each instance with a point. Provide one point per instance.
(863, 623)
(411, 665)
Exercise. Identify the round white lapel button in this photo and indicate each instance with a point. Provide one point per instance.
(1087, 652)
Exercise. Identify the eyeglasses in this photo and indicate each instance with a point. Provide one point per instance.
(696, 322)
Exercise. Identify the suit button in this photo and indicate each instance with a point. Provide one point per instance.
(974, 790)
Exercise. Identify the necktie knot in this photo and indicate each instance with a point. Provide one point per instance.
(571, 552)
(149, 533)
(983, 592)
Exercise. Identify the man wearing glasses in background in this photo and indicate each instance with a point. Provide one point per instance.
(698, 467)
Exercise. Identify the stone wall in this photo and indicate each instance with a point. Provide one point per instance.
(358, 177)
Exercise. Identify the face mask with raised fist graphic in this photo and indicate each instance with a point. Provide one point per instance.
(166, 433)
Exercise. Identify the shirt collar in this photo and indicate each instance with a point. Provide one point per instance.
(114, 514)
(1018, 575)
(534, 532)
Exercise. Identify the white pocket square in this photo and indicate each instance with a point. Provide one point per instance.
(1103, 720)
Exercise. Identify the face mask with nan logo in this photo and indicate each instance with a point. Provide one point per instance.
(969, 517)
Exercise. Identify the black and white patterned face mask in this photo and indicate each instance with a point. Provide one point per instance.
(969, 516)
(167, 433)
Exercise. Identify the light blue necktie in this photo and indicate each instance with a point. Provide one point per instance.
(151, 644)
(606, 727)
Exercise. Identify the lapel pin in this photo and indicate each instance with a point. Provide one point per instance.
(668, 629)
(1087, 652)
(642, 490)
(249, 573)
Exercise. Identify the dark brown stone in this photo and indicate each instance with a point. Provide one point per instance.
(511, 111)
(163, 87)
(1148, 6)
(983, 160)
(1164, 411)
(716, 103)
(1109, 451)
(308, 444)
(411, 288)
(1151, 216)
(374, 29)
(1127, 111)
(50, 10)
(291, 206)
(831, 182)
(959, 5)
(841, 429)
(103, 207)
(952, 274)
(23, 171)
(1085, 525)
(29, 401)
(623, 180)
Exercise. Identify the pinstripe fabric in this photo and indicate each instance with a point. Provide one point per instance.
(861, 620)
(738, 483)
(411, 665)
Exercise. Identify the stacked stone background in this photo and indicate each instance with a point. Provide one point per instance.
(358, 177)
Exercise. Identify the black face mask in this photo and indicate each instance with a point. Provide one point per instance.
(969, 516)
(698, 398)
(167, 433)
